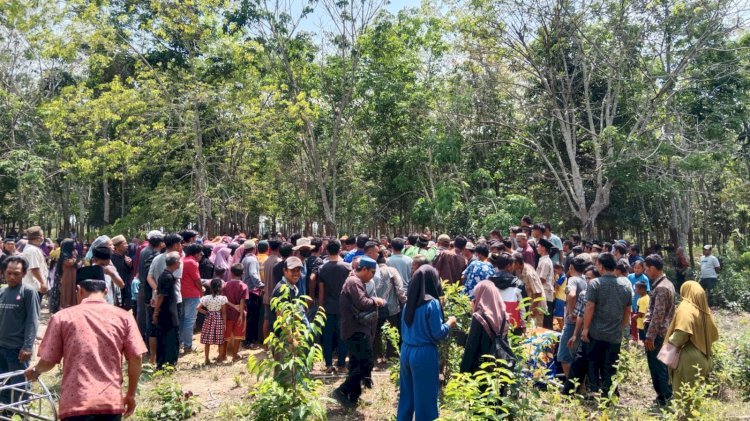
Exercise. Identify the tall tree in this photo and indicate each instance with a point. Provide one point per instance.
(587, 85)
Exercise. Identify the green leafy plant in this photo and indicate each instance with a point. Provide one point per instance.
(457, 304)
(286, 389)
(170, 401)
(692, 401)
(743, 367)
(390, 335)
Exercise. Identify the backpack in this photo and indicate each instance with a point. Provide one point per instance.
(500, 348)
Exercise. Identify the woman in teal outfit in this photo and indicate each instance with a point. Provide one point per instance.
(422, 328)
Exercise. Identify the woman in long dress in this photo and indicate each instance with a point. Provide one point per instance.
(693, 330)
(65, 274)
(422, 328)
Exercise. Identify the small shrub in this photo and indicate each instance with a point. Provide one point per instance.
(456, 304)
(743, 367)
(724, 368)
(391, 336)
(691, 402)
(733, 289)
(481, 395)
(171, 403)
(286, 389)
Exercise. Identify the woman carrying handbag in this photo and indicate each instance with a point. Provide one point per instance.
(691, 335)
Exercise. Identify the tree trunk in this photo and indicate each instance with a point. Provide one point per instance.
(201, 177)
(105, 194)
(690, 248)
(122, 196)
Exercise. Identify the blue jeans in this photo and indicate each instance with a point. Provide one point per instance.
(187, 323)
(331, 336)
(563, 353)
(9, 363)
(659, 373)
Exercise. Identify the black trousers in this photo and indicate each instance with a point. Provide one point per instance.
(549, 317)
(659, 373)
(167, 345)
(253, 323)
(602, 357)
(360, 365)
(578, 370)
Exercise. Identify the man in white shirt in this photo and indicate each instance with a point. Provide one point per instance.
(36, 277)
(710, 267)
(545, 270)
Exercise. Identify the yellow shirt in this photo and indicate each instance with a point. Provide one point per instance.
(560, 289)
(642, 308)
(261, 258)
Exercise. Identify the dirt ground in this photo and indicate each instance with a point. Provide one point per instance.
(220, 389)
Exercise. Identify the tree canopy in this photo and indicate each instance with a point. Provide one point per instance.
(613, 119)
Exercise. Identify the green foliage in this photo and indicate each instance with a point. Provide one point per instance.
(391, 336)
(481, 395)
(457, 304)
(169, 401)
(113, 112)
(286, 389)
(691, 402)
(742, 358)
(733, 290)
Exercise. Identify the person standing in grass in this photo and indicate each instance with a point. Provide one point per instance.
(658, 319)
(359, 316)
(642, 308)
(19, 321)
(331, 279)
(422, 328)
(487, 319)
(166, 318)
(694, 331)
(92, 338)
(608, 310)
(214, 307)
(237, 294)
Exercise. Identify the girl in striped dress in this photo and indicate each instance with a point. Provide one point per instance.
(214, 307)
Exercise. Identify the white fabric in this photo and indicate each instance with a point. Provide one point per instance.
(708, 266)
(35, 257)
(213, 303)
(546, 271)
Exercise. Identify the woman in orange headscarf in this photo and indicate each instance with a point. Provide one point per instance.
(693, 330)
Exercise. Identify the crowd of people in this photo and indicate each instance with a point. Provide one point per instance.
(115, 299)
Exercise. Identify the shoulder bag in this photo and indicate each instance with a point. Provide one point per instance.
(500, 347)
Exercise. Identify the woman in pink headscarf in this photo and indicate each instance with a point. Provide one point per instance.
(486, 323)
(222, 260)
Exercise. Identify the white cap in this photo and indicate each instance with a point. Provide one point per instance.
(303, 242)
(154, 235)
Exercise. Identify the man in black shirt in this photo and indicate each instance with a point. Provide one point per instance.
(166, 320)
(145, 311)
(331, 278)
(122, 263)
